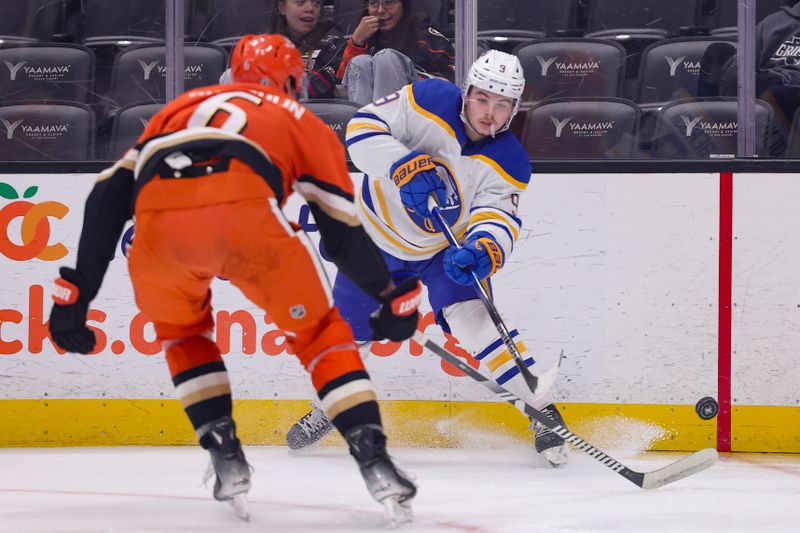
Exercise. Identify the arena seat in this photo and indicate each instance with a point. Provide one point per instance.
(336, 113)
(589, 128)
(139, 73)
(562, 67)
(705, 128)
(673, 69)
(128, 124)
(59, 131)
(39, 71)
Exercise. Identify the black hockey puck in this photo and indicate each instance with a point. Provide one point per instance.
(707, 408)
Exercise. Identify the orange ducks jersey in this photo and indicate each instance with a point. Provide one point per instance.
(246, 141)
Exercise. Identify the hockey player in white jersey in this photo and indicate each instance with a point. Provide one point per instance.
(434, 138)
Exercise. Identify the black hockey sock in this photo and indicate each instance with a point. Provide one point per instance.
(205, 394)
(366, 413)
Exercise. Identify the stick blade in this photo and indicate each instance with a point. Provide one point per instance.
(680, 469)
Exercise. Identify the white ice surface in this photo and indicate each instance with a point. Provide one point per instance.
(142, 489)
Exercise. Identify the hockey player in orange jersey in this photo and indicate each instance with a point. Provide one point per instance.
(206, 182)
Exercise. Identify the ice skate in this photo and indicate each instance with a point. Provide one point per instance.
(308, 430)
(228, 464)
(387, 484)
(548, 443)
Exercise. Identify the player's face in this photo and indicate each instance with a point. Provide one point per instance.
(301, 15)
(389, 13)
(486, 111)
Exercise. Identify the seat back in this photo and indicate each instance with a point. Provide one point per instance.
(46, 71)
(128, 124)
(591, 128)
(673, 69)
(562, 67)
(705, 128)
(544, 16)
(139, 72)
(215, 20)
(336, 113)
(37, 19)
(102, 19)
(668, 15)
(62, 131)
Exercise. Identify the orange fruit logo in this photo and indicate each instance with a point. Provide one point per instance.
(35, 230)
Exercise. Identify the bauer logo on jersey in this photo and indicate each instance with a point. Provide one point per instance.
(451, 211)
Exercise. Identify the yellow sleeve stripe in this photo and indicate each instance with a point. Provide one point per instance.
(497, 168)
(484, 216)
(355, 126)
(382, 203)
(427, 114)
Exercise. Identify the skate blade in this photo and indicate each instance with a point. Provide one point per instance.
(557, 456)
(398, 512)
(240, 506)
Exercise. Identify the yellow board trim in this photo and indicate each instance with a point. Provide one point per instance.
(765, 428)
(57, 423)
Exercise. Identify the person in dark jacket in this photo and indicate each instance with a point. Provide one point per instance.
(320, 42)
(777, 69)
(391, 47)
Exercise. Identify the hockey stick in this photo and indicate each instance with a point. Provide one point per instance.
(679, 469)
(530, 380)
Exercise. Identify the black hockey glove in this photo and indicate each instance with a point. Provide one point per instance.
(397, 317)
(68, 317)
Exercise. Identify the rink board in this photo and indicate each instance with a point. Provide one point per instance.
(620, 271)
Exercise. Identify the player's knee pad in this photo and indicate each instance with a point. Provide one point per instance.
(471, 324)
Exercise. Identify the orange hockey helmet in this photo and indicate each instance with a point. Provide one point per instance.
(268, 59)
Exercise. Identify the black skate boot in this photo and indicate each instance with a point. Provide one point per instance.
(309, 430)
(386, 483)
(554, 448)
(228, 464)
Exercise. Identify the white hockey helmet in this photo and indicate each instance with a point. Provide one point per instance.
(499, 73)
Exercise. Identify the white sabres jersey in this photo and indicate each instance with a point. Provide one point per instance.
(483, 179)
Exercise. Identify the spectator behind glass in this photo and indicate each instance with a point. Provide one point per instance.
(320, 43)
(391, 47)
(777, 69)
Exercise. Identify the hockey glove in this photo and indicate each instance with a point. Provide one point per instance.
(480, 253)
(68, 317)
(415, 175)
(397, 317)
